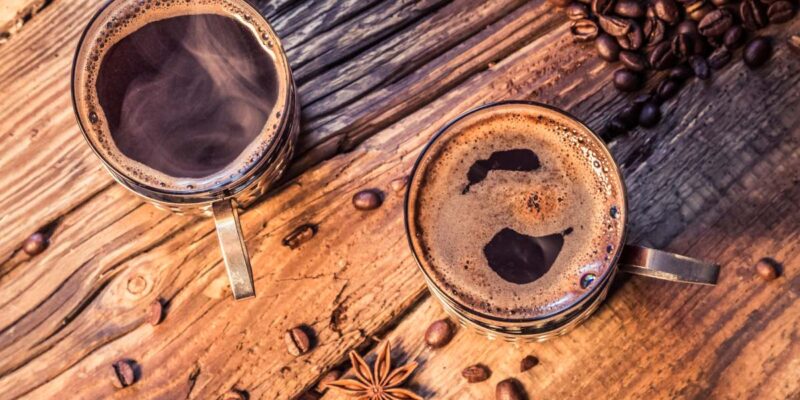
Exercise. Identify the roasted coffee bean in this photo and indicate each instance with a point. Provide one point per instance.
(626, 80)
(667, 88)
(698, 10)
(602, 7)
(714, 42)
(35, 244)
(560, 3)
(720, 3)
(661, 56)
(768, 2)
(299, 235)
(667, 11)
(780, 12)
(509, 389)
(794, 42)
(398, 184)
(607, 47)
(683, 45)
(716, 22)
(629, 8)
(687, 27)
(650, 115)
(124, 373)
(633, 61)
(577, 11)
(629, 116)
(330, 376)
(297, 341)
(527, 363)
(616, 127)
(584, 30)
(768, 269)
(369, 199)
(634, 39)
(155, 314)
(752, 15)
(476, 373)
(614, 26)
(439, 333)
(734, 37)
(700, 67)
(719, 58)
(235, 394)
(654, 31)
(680, 73)
(757, 52)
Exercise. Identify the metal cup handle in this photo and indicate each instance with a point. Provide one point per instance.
(667, 266)
(234, 251)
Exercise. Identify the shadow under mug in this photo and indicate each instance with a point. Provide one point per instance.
(627, 258)
(221, 202)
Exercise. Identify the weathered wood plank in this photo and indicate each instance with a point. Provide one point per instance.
(14, 14)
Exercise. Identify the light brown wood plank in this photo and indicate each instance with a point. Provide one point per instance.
(14, 14)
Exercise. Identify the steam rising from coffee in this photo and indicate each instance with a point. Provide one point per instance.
(186, 95)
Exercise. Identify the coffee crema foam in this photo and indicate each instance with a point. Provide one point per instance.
(512, 208)
(122, 19)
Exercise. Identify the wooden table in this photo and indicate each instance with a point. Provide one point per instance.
(717, 179)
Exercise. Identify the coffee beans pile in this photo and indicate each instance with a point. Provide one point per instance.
(686, 38)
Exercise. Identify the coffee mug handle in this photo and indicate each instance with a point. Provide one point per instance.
(671, 267)
(234, 251)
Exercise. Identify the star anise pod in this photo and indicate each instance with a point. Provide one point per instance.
(382, 383)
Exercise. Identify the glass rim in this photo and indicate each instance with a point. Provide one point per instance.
(612, 264)
(229, 187)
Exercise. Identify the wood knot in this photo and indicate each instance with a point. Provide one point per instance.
(138, 285)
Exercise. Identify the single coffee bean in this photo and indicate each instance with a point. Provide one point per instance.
(700, 67)
(329, 376)
(629, 8)
(614, 26)
(698, 10)
(584, 30)
(650, 115)
(560, 3)
(633, 61)
(297, 341)
(687, 27)
(667, 11)
(633, 40)
(476, 373)
(234, 394)
(757, 52)
(439, 333)
(734, 37)
(369, 199)
(527, 363)
(654, 31)
(712, 41)
(768, 2)
(661, 57)
(767, 268)
(626, 80)
(155, 314)
(509, 389)
(35, 244)
(615, 127)
(629, 115)
(602, 7)
(577, 11)
(398, 184)
(680, 73)
(667, 88)
(683, 45)
(299, 235)
(607, 47)
(752, 15)
(720, 3)
(780, 12)
(715, 23)
(124, 373)
(794, 42)
(719, 58)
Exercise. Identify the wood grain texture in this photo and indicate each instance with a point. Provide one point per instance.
(14, 14)
(68, 313)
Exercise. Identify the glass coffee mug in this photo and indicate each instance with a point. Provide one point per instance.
(516, 215)
(190, 105)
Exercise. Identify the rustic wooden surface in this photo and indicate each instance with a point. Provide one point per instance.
(717, 179)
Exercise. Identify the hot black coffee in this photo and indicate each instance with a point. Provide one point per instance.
(515, 211)
(181, 93)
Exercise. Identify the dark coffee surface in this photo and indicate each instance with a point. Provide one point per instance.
(511, 207)
(187, 94)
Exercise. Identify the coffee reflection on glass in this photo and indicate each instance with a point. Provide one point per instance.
(516, 214)
(190, 104)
